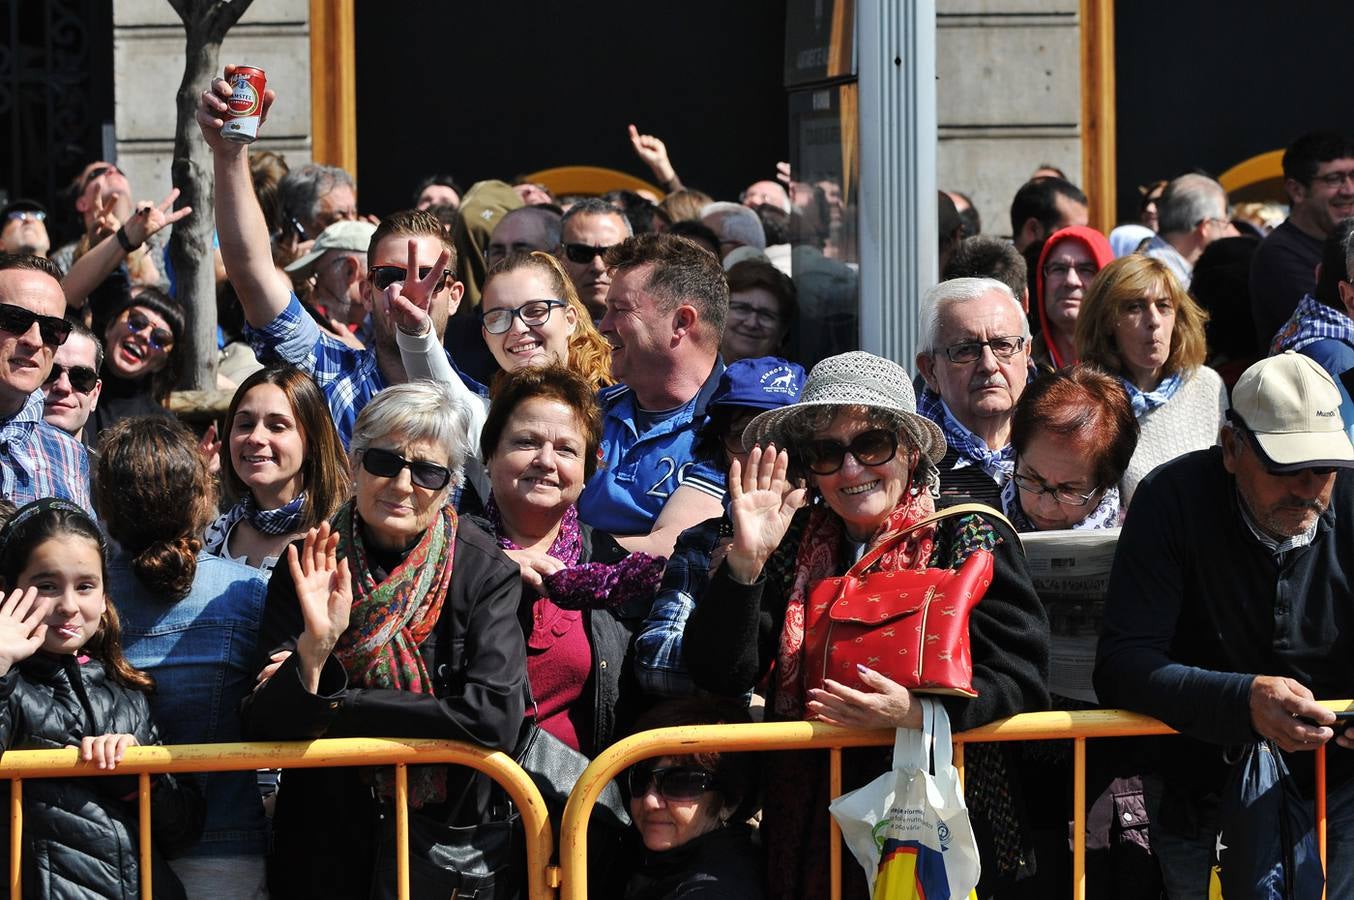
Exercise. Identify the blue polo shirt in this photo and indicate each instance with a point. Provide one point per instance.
(639, 472)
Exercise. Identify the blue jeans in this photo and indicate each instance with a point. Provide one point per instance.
(1185, 863)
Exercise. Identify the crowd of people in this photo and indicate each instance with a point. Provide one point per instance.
(507, 465)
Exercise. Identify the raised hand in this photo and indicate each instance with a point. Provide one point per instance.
(150, 218)
(211, 107)
(408, 301)
(763, 501)
(106, 221)
(21, 627)
(106, 750)
(325, 595)
(209, 445)
(654, 153)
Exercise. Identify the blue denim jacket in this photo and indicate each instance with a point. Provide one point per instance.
(200, 652)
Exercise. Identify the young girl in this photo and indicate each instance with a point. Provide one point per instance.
(64, 682)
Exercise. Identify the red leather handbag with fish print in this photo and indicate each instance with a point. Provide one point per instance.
(911, 626)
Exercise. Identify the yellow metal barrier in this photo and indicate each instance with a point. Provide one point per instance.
(542, 878)
(1077, 726)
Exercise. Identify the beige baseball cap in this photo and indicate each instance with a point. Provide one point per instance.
(352, 235)
(1291, 406)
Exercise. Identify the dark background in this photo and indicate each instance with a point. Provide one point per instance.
(1209, 85)
(496, 90)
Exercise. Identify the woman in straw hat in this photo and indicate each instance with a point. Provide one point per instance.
(870, 461)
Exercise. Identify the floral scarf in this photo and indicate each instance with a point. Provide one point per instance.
(820, 556)
(392, 618)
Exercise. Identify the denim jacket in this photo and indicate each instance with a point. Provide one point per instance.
(200, 652)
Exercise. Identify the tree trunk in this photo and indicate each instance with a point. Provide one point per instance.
(190, 246)
(205, 23)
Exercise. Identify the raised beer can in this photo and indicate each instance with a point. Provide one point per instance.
(245, 104)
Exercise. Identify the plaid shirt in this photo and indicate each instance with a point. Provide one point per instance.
(660, 666)
(349, 378)
(38, 460)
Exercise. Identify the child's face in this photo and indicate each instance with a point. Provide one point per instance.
(68, 574)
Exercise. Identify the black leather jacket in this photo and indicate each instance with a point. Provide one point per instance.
(80, 833)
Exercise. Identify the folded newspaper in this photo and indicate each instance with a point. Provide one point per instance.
(1071, 571)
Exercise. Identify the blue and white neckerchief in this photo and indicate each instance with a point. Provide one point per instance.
(973, 450)
(283, 520)
(1146, 401)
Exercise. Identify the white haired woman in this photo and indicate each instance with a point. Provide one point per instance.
(870, 460)
(402, 621)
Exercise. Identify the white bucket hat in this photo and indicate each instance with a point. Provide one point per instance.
(853, 379)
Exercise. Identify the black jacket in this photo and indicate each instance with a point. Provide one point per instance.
(1197, 607)
(80, 834)
(724, 864)
(324, 827)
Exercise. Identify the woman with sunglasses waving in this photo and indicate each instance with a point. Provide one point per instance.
(871, 462)
(141, 360)
(395, 618)
(690, 813)
(281, 464)
(530, 315)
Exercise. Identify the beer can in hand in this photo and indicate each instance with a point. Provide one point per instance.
(245, 105)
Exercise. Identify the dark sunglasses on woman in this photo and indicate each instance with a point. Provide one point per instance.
(160, 338)
(17, 320)
(870, 448)
(385, 464)
(679, 784)
(82, 378)
(383, 277)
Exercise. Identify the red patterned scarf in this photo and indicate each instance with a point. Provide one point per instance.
(819, 557)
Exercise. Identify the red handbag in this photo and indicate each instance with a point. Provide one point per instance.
(910, 625)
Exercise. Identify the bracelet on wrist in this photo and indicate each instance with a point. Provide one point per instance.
(126, 242)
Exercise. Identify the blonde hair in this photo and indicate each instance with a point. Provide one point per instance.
(589, 352)
(1130, 278)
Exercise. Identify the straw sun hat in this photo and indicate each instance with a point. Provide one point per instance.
(853, 379)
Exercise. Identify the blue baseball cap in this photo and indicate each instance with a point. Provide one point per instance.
(762, 382)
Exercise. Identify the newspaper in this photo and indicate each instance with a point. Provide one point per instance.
(1071, 571)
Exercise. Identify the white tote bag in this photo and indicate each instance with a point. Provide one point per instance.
(909, 828)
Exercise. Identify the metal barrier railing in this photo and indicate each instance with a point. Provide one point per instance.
(542, 878)
(1077, 726)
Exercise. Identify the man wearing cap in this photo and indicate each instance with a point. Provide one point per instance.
(23, 229)
(1229, 610)
(338, 263)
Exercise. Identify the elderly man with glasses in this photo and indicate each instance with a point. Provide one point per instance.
(975, 362)
(36, 459)
(23, 229)
(1228, 615)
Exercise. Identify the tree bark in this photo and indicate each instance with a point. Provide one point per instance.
(190, 247)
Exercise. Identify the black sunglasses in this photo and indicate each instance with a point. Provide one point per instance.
(95, 173)
(82, 378)
(533, 312)
(160, 338)
(17, 320)
(584, 253)
(384, 276)
(385, 464)
(680, 784)
(870, 448)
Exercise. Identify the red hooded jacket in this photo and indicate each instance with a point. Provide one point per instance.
(1099, 248)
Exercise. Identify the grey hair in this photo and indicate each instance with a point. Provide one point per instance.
(1188, 200)
(419, 411)
(596, 206)
(300, 190)
(550, 222)
(962, 290)
(736, 223)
